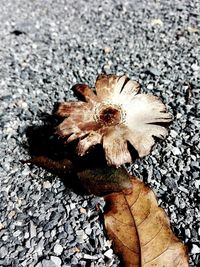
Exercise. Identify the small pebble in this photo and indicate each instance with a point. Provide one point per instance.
(41, 58)
(47, 185)
(58, 249)
(195, 249)
(57, 261)
(109, 253)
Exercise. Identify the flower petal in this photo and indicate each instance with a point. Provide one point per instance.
(146, 109)
(67, 108)
(119, 85)
(115, 146)
(74, 128)
(109, 86)
(67, 127)
(130, 89)
(92, 139)
(75, 136)
(144, 142)
(143, 116)
(85, 91)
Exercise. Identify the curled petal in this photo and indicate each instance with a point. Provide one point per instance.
(128, 91)
(75, 136)
(157, 130)
(67, 127)
(85, 91)
(92, 139)
(115, 146)
(74, 128)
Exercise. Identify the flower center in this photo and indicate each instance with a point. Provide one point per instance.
(109, 114)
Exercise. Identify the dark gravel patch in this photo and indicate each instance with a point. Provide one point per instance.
(45, 48)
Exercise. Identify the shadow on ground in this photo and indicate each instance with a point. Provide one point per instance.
(49, 151)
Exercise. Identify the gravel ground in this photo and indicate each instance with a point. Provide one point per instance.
(45, 48)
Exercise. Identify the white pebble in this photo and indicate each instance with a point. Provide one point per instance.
(5, 237)
(89, 257)
(58, 249)
(150, 86)
(179, 115)
(195, 249)
(173, 133)
(47, 184)
(195, 67)
(17, 233)
(197, 184)
(26, 235)
(109, 253)
(56, 260)
(32, 229)
(176, 151)
(72, 206)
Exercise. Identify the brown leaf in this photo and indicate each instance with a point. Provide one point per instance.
(58, 166)
(140, 230)
(106, 180)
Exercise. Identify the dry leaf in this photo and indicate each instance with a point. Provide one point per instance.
(140, 230)
(59, 166)
(104, 181)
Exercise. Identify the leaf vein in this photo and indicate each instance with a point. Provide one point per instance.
(123, 243)
(154, 236)
(121, 221)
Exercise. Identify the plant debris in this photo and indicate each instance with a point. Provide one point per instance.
(115, 116)
(140, 230)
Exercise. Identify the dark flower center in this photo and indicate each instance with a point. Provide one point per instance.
(109, 115)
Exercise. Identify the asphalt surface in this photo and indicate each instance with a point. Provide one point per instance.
(45, 48)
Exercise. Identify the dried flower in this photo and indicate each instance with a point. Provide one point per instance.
(115, 116)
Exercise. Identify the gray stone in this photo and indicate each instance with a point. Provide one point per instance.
(32, 229)
(48, 263)
(3, 252)
(57, 261)
(41, 58)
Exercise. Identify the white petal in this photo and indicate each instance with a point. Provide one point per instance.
(119, 85)
(130, 89)
(143, 141)
(144, 109)
(143, 116)
(115, 146)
